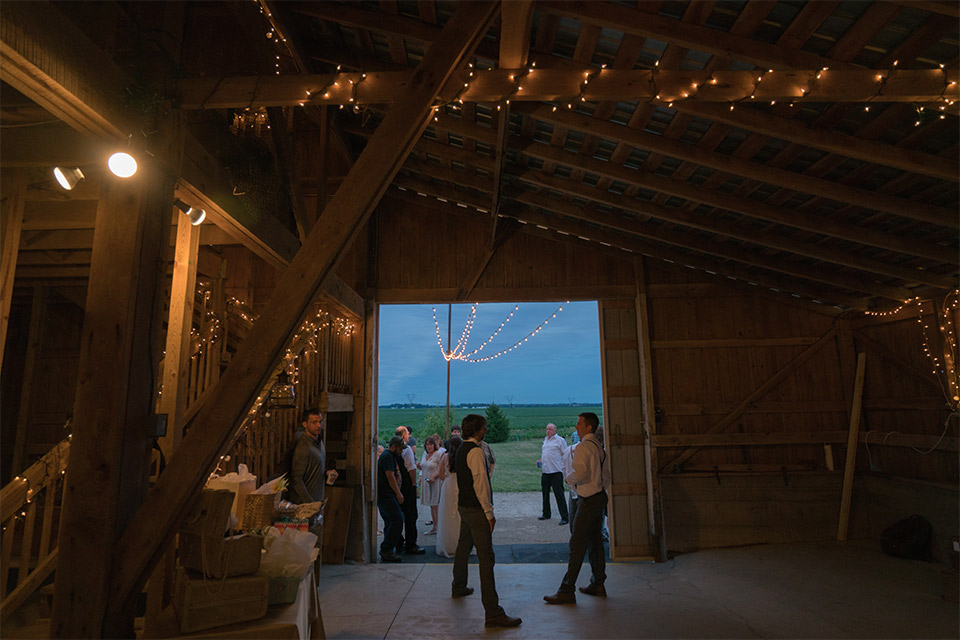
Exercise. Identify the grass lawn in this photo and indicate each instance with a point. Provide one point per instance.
(516, 467)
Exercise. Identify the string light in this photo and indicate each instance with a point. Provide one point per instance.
(458, 353)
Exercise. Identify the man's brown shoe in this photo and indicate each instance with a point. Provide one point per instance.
(561, 597)
(502, 620)
(594, 590)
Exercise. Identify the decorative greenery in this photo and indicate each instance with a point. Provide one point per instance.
(498, 425)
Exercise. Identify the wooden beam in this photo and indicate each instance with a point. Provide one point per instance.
(852, 440)
(564, 86)
(793, 130)
(38, 314)
(516, 17)
(14, 187)
(110, 447)
(183, 288)
(790, 368)
(708, 223)
(49, 145)
(645, 361)
(255, 358)
(762, 173)
(288, 167)
(699, 38)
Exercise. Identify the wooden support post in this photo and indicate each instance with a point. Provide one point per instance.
(654, 513)
(111, 444)
(34, 345)
(852, 441)
(371, 336)
(176, 362)
(14, 189)
(255, 359)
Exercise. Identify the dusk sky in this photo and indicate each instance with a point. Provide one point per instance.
(560, 363)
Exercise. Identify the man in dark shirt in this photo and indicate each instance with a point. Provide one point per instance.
(308, 461)
(389, 498)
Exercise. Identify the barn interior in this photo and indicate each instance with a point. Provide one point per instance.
(761, 195)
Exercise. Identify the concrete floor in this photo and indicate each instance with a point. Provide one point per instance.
(812, 590)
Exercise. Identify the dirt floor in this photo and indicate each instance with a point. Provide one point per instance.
(517, 522)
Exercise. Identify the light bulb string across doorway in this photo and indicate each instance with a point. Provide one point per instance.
(459, 352)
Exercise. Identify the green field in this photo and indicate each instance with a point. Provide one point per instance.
(516, 467)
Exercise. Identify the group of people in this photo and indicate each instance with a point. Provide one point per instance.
(456, 485)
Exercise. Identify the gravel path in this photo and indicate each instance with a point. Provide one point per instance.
(516, 521)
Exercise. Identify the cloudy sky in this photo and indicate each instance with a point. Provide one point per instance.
(561, 363)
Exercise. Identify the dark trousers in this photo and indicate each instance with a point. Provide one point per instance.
(392, 523)
(587, 526)
(553, 481)
(410, 513)
(475, 531)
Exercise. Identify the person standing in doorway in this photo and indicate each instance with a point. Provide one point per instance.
(408, 486)
(475, 503)
(590, 477)
(551, 473)
(390, 498)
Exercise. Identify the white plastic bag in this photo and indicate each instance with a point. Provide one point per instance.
(288, 554)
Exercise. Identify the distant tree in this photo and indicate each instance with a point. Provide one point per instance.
(498, 425)
(436, 420)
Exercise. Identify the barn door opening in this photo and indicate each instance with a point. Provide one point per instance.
(635, 531)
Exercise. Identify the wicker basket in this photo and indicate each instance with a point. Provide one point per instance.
(259, 510)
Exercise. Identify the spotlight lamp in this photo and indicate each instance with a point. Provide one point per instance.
(122, 164)
(68, 178)
(196, 215)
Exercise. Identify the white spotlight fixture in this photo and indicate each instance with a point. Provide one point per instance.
(122, 164)
(68, 178)
(196, 215)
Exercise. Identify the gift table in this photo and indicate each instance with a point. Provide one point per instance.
(300, 620)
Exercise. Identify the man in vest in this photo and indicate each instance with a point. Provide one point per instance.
(475, 505)
(590, 477)
(410, 506)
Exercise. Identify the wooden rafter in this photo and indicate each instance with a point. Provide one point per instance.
(564, 86)
(341, 222)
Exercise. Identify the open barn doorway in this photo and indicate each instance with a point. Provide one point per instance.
(530, 364)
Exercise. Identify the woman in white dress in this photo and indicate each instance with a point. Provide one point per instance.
(430, 476)
(448, 518)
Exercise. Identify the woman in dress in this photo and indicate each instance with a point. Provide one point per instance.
(430, 474)
(448, 518)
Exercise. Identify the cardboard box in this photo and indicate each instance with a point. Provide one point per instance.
(283, 590)
(225, 557)
(206, 603)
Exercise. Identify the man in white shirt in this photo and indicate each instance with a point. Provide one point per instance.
(590, 477)
(551, 472)
(475, 504)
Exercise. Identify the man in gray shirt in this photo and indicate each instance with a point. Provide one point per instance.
(308, 461)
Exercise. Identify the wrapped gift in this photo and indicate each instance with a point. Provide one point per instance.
(240, 483)
(259, 510)
(283, 590)
(221, 557)
(201, 603)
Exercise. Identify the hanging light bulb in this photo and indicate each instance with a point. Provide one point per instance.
(122, 164)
